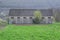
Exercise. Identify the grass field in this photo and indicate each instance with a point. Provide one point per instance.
(31, 32)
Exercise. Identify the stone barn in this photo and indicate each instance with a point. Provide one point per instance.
(25, 16)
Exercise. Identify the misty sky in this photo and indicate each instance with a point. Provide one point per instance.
(30, 3)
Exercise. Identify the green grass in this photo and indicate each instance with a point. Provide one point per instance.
(31, 32)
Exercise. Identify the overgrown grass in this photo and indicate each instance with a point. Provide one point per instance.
(31, 32)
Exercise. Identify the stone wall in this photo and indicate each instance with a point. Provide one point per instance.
(21, 20)
(28, 20)
(48, 20)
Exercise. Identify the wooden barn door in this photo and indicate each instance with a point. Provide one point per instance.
(18, 20)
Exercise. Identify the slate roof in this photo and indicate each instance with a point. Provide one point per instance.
(29, 12)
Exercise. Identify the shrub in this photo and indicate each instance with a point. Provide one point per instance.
(3, 22)
(36, 20)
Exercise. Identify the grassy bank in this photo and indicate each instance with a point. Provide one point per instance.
(31, 32)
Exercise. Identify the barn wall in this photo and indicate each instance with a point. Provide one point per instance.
(21, 20)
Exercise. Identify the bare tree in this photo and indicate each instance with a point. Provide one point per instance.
(56, 15)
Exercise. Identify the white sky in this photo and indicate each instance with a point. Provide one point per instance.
(31, 3)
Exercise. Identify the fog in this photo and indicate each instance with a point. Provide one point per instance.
(5, 5)
(30, 4)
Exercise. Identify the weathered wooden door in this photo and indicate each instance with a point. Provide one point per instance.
(24, 20)
(18, 20)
